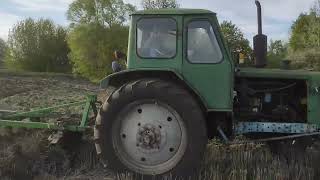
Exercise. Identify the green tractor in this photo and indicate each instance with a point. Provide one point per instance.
(182, 87)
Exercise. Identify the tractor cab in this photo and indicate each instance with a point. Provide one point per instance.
(184, 45)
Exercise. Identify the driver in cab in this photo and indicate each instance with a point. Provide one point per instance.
(158, 43)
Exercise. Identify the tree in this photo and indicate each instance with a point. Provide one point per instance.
(2, 50)
(159, 4)
(277, 48)
(235, 39)
(314, 28)
(305, 32)
(92, 48)
(98, 30)
(277, 51)
(305, 39)
(104, 12)
(316, 7)
(38, 46)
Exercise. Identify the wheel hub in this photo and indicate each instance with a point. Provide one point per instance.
(149, 137)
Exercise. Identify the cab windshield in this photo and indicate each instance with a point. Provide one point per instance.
(156, 38)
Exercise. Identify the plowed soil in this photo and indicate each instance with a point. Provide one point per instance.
(27, 154)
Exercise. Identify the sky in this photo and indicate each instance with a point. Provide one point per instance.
(278, 15)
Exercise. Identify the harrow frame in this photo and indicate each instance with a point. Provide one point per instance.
(16, 119)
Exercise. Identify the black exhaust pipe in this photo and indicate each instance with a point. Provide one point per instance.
(259, 17)
(260, 42)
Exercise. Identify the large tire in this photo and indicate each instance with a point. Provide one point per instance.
(153, 128)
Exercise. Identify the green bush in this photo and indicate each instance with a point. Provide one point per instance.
(306, 59)
(92, 47)
(3, 47)
(305, 40)
(38, 46)
(277, 51)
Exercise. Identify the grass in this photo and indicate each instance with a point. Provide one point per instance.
(251, 162)
(233, 162)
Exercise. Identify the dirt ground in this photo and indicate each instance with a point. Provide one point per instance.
(26, 154)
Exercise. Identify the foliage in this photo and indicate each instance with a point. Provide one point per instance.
(307, 59)
(97, 32)
(159, 4)
(277, 51)
(2, 49)
(92, 48)
(236, 40)
(104, 12)
(316, 7)
(305, 39)
(277, 48)
(305, 32)
(38, 46)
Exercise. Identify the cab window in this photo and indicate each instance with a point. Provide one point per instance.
(156, 38)
(202, 45)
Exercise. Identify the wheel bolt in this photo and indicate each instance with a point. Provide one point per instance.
(169, 119)
(124, 136)
(171, 149)
(139, 111)
(143, 159)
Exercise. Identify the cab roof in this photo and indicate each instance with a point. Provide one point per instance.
(174, 11)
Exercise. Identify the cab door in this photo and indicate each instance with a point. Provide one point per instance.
(206, 64)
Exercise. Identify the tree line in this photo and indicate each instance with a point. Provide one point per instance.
(99, 27)
(3, 48)
(304, 43)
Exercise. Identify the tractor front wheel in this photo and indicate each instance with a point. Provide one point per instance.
(152, 128)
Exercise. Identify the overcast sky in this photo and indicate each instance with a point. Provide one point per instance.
(278, 15)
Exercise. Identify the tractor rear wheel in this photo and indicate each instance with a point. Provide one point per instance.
(153, 128)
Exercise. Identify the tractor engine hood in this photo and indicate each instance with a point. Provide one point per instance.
(277, 73)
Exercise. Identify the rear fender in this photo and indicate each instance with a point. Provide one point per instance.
(122, 77)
